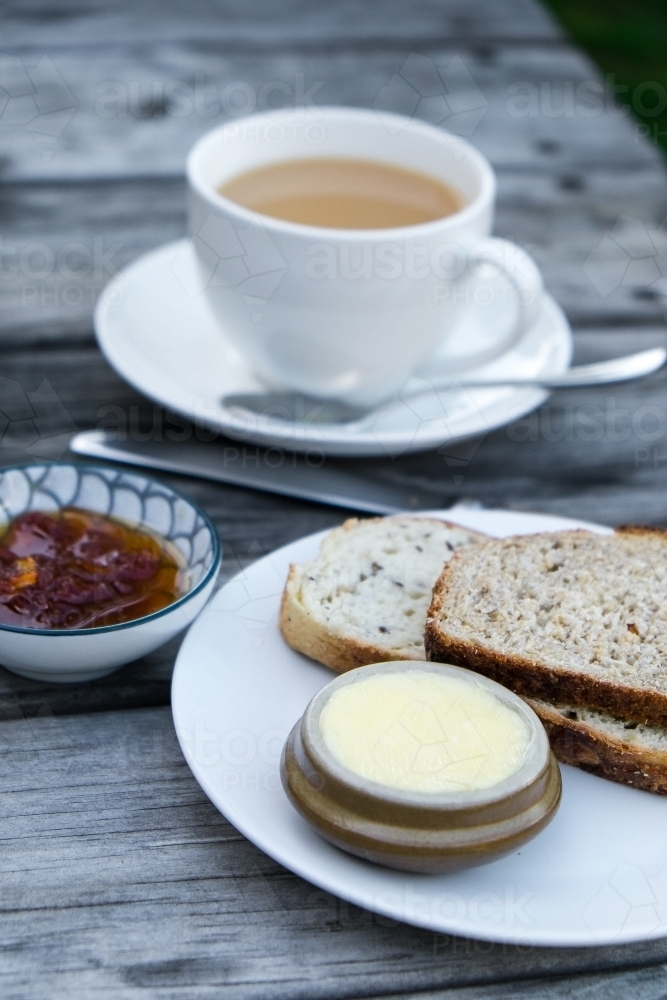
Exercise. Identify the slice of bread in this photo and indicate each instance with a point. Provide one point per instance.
(378, 570)
(364, 599)
(628, 752)
(333, 609)
(567, 617)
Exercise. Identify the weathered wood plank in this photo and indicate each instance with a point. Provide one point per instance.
(120, 879)
(564, 447)
(234, 24)
(136, 112)
(145, 683)
(62, 243)
(598, 454)
(564, 181)
(598, 237)
(649, 983)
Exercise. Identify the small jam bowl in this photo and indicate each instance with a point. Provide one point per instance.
(419, 831)
(69, 655)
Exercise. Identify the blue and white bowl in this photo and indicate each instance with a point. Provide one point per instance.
(69, 655)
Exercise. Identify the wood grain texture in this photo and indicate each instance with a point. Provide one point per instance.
(579, 187)
(648, 983)
(234, 24)
(62, 243)
(609, 439)
(136, 112)
(600, 239)
(121, 880)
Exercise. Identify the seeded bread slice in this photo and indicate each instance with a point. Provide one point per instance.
(628, 752)
(364, 599)
(568, 617)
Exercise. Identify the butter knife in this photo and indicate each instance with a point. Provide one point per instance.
(322, 480)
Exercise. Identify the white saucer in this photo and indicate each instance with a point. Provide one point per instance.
(596, 876)
(154, 326)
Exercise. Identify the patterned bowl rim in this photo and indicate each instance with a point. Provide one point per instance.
(210, 573)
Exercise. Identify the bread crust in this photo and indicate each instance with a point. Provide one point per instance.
(305, 634)
(532, 679)
(581, 745)
(640, 529)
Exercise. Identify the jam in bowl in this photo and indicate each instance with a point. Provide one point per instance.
(79, 569)
(97, 567)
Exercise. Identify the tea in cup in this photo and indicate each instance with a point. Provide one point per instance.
(332, 248)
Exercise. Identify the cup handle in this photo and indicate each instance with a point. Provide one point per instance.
(523, 273)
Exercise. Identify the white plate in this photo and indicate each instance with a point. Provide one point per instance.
(155, 328)
(596, 875)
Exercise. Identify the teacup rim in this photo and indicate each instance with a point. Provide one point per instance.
(484, 198)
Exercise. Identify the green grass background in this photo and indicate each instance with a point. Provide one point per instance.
(626, 38)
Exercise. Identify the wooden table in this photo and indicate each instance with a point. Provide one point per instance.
(119, 878)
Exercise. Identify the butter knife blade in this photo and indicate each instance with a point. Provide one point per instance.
(270, 470)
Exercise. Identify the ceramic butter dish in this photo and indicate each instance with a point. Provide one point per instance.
(424, 767)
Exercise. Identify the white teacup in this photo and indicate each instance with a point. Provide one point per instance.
(339, 313)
